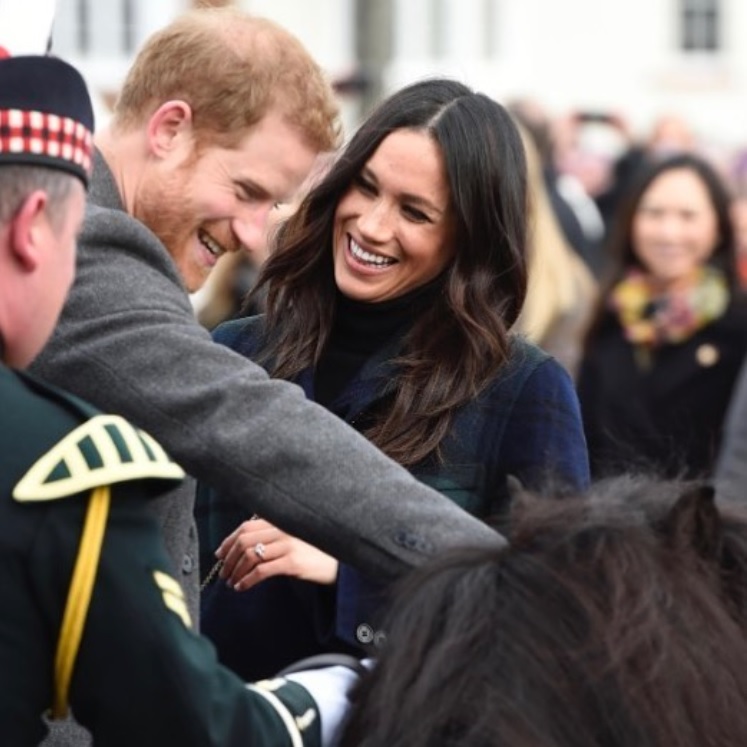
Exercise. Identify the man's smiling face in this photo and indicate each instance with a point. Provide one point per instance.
(203, 202)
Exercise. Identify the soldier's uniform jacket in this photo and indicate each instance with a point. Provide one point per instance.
(141, 676)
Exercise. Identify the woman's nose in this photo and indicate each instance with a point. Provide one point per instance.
(375, 222)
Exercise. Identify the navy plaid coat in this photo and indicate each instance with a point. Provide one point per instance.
(527, 423)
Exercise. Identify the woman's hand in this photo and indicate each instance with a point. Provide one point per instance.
(257, 550)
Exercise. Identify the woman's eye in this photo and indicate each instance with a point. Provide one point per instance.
(415, 215)
(364, 185)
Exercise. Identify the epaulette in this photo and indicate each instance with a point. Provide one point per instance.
(104, 450)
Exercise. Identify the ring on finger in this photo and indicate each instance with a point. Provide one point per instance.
(259, 550)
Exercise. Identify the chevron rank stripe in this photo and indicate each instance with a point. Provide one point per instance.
(105, 450)
(173, 596)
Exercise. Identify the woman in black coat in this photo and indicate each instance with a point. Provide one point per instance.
(669, 337)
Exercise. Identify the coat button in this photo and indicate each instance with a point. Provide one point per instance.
(411, 541)
(364, 633)
(187, 564)
(707, 355)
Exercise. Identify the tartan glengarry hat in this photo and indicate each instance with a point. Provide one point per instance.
(46, 115)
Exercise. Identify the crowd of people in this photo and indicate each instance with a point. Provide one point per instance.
(444, 477)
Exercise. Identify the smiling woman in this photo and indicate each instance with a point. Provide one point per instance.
(394, 228)
(390, 296)
(666, 345)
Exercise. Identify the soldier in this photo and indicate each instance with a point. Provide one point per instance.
(91, 616)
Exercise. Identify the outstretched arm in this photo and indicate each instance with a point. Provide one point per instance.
(129, 343)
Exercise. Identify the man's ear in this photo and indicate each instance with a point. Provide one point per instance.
(169, 128)
(26, 238)
(694, 522)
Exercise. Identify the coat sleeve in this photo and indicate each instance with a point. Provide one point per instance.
(128, 342)
(731, 466)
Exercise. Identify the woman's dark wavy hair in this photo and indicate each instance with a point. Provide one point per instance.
(604, 623)
(459, 343)
(619, 246)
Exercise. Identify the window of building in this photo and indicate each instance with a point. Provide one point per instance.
(700, 22)
(90, 27)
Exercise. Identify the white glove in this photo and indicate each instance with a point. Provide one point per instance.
(329, 687)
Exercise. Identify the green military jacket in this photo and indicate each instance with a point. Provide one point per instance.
(141, 675)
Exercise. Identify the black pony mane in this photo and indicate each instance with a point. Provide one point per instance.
(610, 621)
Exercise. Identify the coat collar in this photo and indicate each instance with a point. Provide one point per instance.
(375, 380)
(103, 190)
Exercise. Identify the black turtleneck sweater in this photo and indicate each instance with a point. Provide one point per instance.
(359, 330)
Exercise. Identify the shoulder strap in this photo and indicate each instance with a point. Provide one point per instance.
(104, 450)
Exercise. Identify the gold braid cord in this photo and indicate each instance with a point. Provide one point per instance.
(79, 597)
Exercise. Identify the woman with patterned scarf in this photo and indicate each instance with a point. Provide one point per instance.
(666, 344)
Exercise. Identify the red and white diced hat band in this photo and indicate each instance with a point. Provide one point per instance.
(46, 115)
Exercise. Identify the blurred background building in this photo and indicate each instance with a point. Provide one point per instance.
(640, 58)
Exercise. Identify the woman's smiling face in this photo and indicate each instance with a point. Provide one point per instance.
(675, 227)
(394, 228)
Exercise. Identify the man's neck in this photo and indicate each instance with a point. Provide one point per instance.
(123, 153)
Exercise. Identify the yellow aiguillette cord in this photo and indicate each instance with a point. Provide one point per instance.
(79, 597)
